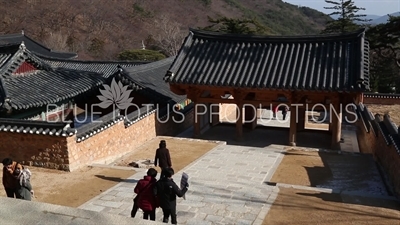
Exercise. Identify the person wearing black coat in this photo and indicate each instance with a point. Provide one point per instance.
(166, 191)
(284, 112)
(162, 158)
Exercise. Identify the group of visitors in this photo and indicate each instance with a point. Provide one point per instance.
(152, 193)
(16, 180)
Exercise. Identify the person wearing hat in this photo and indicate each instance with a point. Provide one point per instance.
(162, 158)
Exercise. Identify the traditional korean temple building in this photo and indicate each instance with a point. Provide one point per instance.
(150, 89)
(329, 70)
(35, 134)
(28, 84)
(34, 46)
(148, 81)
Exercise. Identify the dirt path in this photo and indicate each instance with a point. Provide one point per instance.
(295, 168)
(182, 151)
(72, 188)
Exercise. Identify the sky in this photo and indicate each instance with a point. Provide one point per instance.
(372, 7)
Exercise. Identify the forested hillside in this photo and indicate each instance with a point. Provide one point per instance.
(100, 29)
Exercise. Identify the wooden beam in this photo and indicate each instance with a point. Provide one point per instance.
(239, 122)
(250, 115)
(215, 114)
(336, 126)
(196, 122)
(234, 101)
(194, 94)
(177, 90)
(293, 126)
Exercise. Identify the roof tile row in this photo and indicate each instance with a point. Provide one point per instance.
(324, 62)
(36, 127)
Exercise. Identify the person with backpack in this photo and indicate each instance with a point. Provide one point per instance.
(166, 191)
(146, 199)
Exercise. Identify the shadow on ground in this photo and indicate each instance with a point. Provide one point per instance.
(351, 173)
(352, 199)
(116, 179)
(344, 172)
(263, 136)
(355, 176)
(311, 207)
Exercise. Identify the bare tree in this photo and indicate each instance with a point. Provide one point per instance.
(168, 34)
(57, 41)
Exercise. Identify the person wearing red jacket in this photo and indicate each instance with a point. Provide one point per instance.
(147, 201)
(274, 111)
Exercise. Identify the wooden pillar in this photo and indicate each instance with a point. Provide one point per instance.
(239, 122)
(293, 126)
(197, 121)
(336, 125)
(250, 115)
(214, 109)
(301, 124)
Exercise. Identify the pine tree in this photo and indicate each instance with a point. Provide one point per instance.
(348, 17)
(384, 42)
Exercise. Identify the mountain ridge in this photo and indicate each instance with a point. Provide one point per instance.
(375, 19)
(100, 29)
(385, 18)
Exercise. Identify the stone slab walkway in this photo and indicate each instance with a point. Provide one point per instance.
(227, 186)
(350, 141)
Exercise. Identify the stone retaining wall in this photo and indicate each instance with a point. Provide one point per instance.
(110, 144)
(35, 150)
(377, 136)
(65, 153)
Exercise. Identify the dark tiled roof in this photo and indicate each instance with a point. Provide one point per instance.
(321, 62)
(34, 46)
(361, 114)
(391, 127)
(95, 127)
(109, 120)
(44, 85)
(36, 127)
(138, 115)
(395, 139)
(149, 79)
(107, 68)
(384, 132)
(12, 56)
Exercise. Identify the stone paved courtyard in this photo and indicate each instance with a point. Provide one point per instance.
(226, 187)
